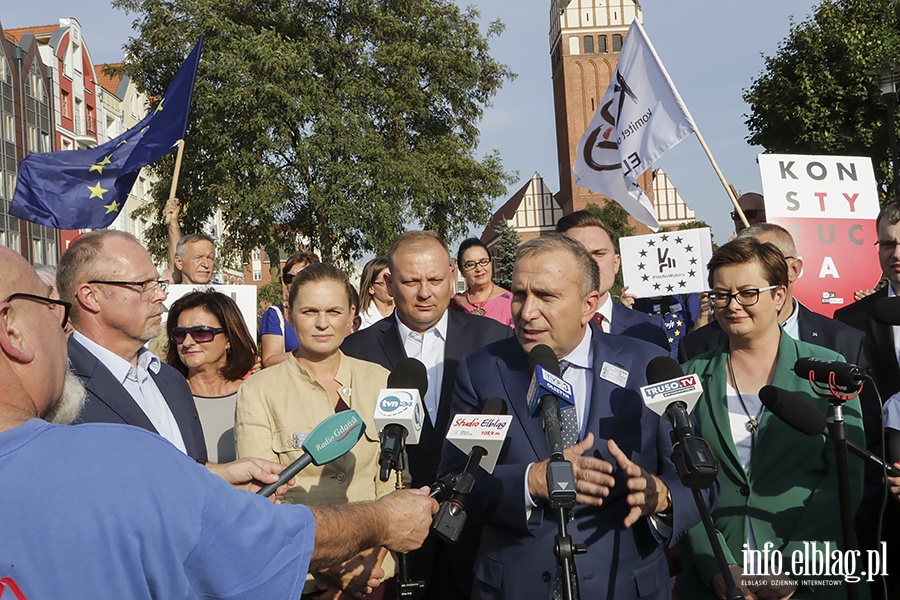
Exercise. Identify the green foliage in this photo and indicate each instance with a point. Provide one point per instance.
(699, 225)
(616, 219)
(505, 257)
(343, 122)
(268, 295)
(814, 96)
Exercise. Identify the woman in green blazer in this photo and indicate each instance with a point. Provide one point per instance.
(778, 487)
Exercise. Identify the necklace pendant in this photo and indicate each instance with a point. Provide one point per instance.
(479, 311)
(752, 425)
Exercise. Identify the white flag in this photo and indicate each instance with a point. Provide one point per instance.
(639, 119)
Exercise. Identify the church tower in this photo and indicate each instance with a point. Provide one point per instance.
(585, 40)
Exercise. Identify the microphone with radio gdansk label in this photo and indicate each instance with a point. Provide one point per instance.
(550, 393)
(482, 437)
(399, 414)
(328, 441)
(673, 394)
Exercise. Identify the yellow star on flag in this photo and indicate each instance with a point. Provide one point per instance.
(112, 207)
(159, 106)
(99, 166)
(97, 191)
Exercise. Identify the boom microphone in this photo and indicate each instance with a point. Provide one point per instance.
(399, 413)
(829, 372)
(328, 441)
(800, 414)
(482, 437)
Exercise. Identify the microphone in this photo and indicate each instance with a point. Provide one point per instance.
(830, 372)
(482, 437)
(399, 414)
(549, 391)
(328, 441)
(673, 394)
(886, 310)
(802, 415)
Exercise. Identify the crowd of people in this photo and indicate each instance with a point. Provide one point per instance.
(147, 495)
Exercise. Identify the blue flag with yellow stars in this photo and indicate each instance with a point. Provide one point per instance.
(86, 189)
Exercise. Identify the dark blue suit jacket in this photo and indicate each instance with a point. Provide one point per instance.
(516, 559)
(109, 402)
(638, 325)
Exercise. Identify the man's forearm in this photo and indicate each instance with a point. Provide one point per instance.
(343, 531)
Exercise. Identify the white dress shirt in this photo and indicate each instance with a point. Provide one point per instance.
(140, 385)
(428, 348)
(606, 311)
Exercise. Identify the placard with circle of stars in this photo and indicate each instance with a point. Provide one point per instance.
(660, 264)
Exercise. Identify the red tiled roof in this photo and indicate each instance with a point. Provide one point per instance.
(109, 82)
(14, 35)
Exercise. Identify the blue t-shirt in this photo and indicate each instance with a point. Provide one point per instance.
(270, 324)
(109, 511)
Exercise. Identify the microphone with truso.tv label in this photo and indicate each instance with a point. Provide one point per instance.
(802, 415)
(328, 441)
(481, 437)
(399, 415)
(672, 394)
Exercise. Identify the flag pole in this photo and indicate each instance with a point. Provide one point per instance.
(731, 194)
(177, 168)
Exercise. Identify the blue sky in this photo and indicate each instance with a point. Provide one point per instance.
(712, 51)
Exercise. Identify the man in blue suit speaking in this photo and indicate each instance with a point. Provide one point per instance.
(630, 501)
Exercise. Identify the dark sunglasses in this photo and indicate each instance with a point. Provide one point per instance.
(750, 213)
(201, 334)
(288, 278)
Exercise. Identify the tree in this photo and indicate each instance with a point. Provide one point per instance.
(505, 257)
(616, 219)
(336, 122)
(699, 225)
(814, 96)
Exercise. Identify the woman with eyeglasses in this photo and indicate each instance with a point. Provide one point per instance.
(778, 487)
(210, 345)
(374, 302)
(482, 296)
(278, 407)
(277, 339)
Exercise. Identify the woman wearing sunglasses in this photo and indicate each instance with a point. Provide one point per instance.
(212, 347)
(779, 487)
(277, 339)
(482, 296)
(279, 406)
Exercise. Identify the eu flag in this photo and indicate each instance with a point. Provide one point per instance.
(86, 189)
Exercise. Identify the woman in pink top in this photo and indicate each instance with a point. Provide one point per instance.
(482, 295)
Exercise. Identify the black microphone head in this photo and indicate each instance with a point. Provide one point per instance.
(797, 412)
(663, 368)
(494, 406)
(544, 356)
(409, 374)
(887, 310)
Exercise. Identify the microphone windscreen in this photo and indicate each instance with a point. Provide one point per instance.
(663, 368)
(797, 412)
(544, 356)
(887, 310)
(494, 406)
(409, 374)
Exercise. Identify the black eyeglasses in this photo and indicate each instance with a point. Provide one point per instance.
(200, 334)
(471, 264)
(747, 297)
(150, 286)
(750, 213)
(886, 246)
(52, 304)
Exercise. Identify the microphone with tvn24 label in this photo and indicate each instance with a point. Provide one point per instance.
(802, 415)
(673, 394)
(550, 393)
(399, 414)
(328, 441)
(482, 437)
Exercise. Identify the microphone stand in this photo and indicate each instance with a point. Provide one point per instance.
(697, 474)
(837, 431)
(561, 490)
(406, 588)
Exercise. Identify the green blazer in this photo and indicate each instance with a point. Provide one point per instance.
(790, 494)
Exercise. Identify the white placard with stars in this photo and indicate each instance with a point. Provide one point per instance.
(661, 264)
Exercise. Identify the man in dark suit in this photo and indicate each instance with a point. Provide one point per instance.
(421, 283)
(587, 228)
(117, 298)
(630, 501)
